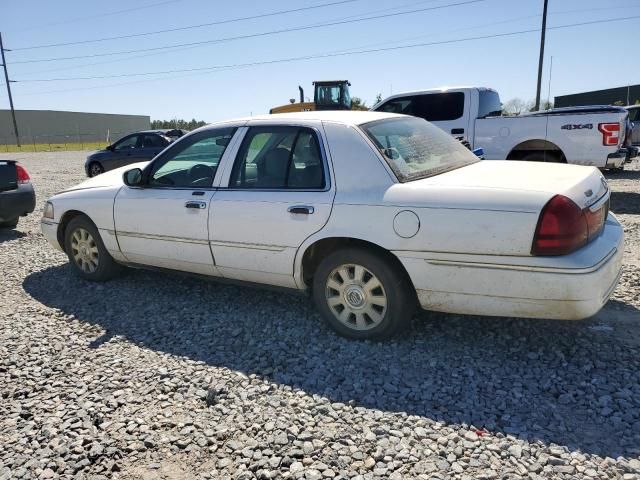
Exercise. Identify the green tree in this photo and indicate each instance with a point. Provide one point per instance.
(358, 104)
(178, 123)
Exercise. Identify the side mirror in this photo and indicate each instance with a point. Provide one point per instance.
(133, 177)
(109, 147)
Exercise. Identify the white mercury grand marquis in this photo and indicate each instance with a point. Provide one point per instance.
(373, 213)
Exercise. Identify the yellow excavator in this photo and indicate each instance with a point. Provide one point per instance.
(327, 95)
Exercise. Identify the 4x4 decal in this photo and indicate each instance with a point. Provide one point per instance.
(579, 126)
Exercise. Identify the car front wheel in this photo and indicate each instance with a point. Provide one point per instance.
(362, 295)
(95, 169)
(87, 254)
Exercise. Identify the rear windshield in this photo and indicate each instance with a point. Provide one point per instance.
(416, 149)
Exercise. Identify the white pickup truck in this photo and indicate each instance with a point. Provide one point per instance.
(596, 136)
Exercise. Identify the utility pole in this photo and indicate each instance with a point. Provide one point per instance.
(541, 60)
(6, 77)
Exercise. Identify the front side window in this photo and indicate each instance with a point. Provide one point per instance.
(434, 107)
(279, 158)
(415, 149)
(127, 143)
(192, 161)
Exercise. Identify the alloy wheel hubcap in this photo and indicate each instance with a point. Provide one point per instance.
(356, 297)
(95, 170)
(84, 250)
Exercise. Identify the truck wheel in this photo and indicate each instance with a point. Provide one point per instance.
(95, 169)
(362, 296)
(87, 254)
(9, 223)
(549, 157)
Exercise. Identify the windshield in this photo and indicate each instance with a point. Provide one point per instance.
(416, 149)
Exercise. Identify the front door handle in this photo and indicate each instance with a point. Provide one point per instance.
(198, 205)
(457, 131)
(301, 209)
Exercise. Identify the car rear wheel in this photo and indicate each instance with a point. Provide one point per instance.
(9, 223)
(362, 296)
(87, 254)
(95, 169)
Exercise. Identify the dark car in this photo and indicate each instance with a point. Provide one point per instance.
(137, 147)
(17, 197)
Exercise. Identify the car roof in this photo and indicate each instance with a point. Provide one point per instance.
(347, 117)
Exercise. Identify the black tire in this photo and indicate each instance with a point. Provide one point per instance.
(95, 168)
(385, 322)
(95, 264)
(548, 157)
(13, 223)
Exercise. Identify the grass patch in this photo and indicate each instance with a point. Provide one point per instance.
(53, 147)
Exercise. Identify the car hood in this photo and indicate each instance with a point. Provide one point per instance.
(112, 178)
(503, 185)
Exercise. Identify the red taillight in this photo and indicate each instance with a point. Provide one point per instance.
(562, 228)
(610, 133)
(23, 176)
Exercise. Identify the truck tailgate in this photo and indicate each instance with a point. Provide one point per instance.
(8, 176)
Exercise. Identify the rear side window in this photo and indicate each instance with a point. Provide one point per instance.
(279, 158)
(153, 141)
(434, 107)
(490, 105)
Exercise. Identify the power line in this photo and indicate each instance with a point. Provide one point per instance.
(116, 12)
(253, 35)
(330, 54)
(188, 27)
(173, 50)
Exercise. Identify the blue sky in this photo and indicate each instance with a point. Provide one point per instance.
(584, 57)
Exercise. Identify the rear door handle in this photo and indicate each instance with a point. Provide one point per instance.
(198, 205)
(301, 209)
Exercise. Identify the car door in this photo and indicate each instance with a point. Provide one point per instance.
(125, 151)
(164, 223)
(279, 192)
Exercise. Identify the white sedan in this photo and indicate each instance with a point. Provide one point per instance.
(373, 213)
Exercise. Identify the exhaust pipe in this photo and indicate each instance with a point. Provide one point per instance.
(301, 94)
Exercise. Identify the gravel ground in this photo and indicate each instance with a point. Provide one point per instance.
(162, 376)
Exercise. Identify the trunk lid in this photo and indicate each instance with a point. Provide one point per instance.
(8, 175)
(507, 185)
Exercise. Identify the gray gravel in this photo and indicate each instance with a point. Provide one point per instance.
(162, 376)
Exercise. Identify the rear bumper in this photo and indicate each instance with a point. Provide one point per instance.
(17, 203)
(572, 287)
